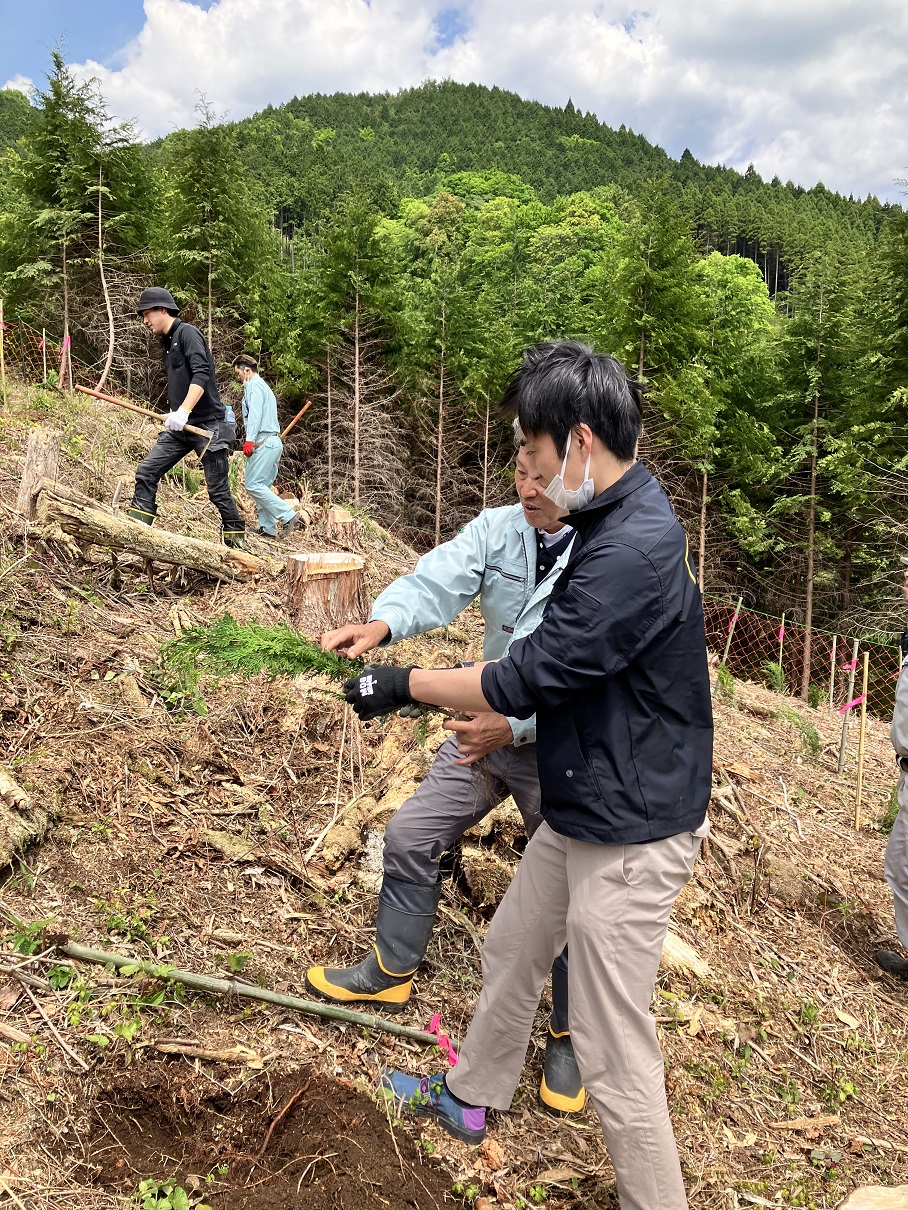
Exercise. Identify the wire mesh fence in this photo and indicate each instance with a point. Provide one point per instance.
(41, 357)
(755, 640)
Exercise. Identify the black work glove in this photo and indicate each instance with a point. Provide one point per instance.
(379, 689)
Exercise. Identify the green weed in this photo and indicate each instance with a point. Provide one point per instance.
(815, 696)
(886, 821)
(810, 737)
(164, 1195)
(774, 675)
(725, 683)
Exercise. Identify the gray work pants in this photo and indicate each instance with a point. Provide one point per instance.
(611, 903)
(450, 800)
(896, 865)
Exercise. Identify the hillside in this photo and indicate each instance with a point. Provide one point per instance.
(416, 139)
(189, 823)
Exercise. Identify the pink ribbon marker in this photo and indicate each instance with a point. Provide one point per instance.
(851, 705)
(781, 633)
(444, 1042)
(851, 664)
(734, 618)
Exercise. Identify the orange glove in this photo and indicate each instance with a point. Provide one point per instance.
(248, 447)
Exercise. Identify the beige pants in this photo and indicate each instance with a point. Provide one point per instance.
(611, 904)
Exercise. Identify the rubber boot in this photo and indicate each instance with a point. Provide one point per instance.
(140, 515)
(235, 538)
(561, 1090)
(406, 914)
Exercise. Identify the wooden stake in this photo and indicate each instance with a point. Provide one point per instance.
(2, 359)
(848, 696)
(44, 352)
(835, 641)
(860, 786)
(731, 630)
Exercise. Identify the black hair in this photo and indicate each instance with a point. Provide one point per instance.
(562, 383)
(245, 361)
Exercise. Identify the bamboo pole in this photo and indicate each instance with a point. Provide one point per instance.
(781, 638)
(230, 987)
(848, 696)
(2, 358)
(835, 641)
(731, 630)
(860, 785)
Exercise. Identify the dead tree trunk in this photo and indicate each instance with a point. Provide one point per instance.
(111, 330)
(42, 459)
(325, 591)
(61, 510)
(440, 431)
(702, 553)
(812, 519)
(330, 427)
(356, 403)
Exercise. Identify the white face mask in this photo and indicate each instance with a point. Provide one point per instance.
(570, 499)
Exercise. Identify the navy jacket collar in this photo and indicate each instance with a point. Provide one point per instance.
(634, 477)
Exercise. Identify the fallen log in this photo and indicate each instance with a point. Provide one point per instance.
(60, 508)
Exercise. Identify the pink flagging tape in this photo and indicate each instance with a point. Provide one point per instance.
(444, 1042)
(851, 705)
(851, 664)
(734, 618)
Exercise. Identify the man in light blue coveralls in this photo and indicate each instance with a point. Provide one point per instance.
(508, 559)
(263, 448)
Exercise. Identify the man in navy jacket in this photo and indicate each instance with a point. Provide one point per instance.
(617, 675)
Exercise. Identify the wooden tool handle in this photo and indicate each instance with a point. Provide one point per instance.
(299, 414)
(134, 407)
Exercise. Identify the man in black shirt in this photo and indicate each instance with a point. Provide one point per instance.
(616, 673)
(191, 390)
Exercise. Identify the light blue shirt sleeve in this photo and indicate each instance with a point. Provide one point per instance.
(443, 583)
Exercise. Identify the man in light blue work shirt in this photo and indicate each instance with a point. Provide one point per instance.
(263, 448)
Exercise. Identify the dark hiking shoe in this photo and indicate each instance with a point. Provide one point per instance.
(264, 533)
(234, 538)
(561, 1091)
(288, 528)
(367, 982)
(893, 964)
(429, 1097)
(140, 515)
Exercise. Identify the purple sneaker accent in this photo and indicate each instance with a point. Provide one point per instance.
(428, 1097)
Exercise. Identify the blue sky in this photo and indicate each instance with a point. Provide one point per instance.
(810, 90)
(96, 29)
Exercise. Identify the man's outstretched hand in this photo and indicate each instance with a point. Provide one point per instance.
(378, 689)
(352, 641)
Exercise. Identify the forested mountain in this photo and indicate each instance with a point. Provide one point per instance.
(391, 255)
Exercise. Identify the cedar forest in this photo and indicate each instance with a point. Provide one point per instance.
(389, 255)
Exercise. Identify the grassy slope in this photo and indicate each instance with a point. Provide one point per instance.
(792, 1021)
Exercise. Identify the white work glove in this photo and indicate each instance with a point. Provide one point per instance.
(176, 420)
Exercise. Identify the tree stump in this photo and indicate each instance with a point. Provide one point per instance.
(325, 591)
(340, 525)
(42, 460)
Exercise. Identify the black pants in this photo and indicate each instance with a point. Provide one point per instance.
(171, 448)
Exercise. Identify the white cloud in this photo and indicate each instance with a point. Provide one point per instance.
(20, 84)
(806, 89)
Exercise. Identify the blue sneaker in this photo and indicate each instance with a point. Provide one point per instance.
(428, 1097)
